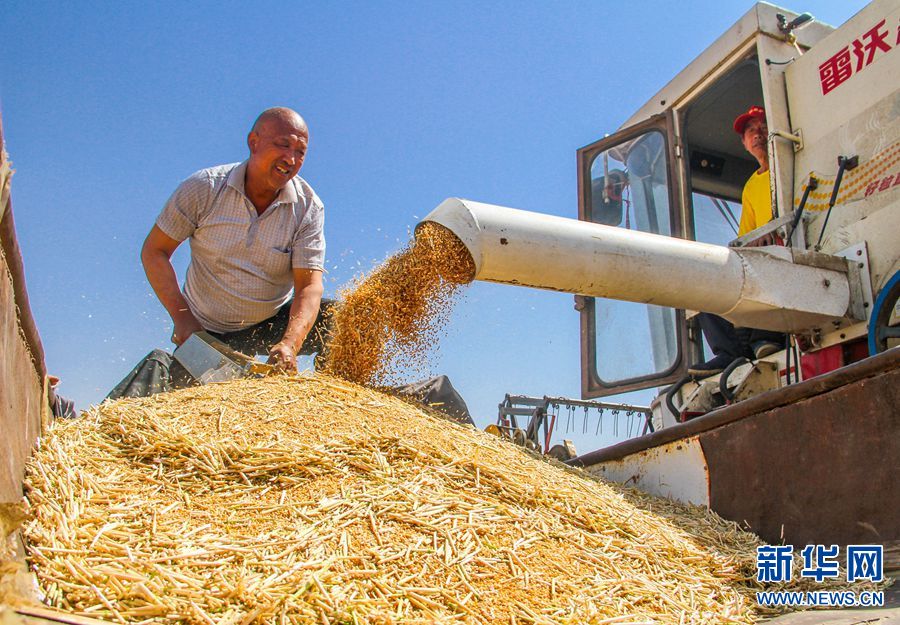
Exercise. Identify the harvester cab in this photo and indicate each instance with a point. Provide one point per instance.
(677, 169)
(659, 204)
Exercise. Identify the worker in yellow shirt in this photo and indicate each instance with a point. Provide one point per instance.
(727, 342)
(756, 200)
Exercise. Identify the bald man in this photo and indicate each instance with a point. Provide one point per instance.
(257, 255)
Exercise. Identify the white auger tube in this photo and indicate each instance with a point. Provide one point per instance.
(751, 287)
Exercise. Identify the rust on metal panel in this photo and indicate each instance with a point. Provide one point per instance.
(821, 470)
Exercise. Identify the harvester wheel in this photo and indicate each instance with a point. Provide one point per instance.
(519, 437)
(884, 324)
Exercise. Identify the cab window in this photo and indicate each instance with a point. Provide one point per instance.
(627, 185)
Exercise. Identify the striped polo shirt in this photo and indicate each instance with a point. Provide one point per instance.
(241, 262)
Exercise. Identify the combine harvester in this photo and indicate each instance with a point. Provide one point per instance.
(802, 445)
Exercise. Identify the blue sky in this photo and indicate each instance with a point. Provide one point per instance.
(108, 106)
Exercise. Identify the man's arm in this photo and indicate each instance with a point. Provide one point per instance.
(304, 309)
(156, 257)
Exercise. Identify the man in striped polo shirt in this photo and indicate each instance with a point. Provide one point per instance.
(257, 254)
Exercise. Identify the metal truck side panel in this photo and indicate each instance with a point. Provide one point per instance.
(831, 467)
(21, 398)
(22, 401)
(814, 462)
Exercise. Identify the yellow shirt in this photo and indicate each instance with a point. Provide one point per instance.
(756, 203)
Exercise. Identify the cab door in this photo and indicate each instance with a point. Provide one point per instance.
(628, 181)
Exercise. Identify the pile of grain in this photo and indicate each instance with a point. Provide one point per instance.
(297, 500)
(389, 321)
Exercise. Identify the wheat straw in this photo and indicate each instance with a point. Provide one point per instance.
(317, 500)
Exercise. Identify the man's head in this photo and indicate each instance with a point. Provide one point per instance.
(278, 142)
(754, 132)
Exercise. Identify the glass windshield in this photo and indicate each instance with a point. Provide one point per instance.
(629, 185)
(715, 220)
(629, 189)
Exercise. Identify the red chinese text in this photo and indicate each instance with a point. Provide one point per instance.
(839, 67)
(883, 184)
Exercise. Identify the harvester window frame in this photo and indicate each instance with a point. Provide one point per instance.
(592, 385)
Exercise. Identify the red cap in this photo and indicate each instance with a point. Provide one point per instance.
(741, 121)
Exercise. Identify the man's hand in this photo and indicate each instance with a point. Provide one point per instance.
(766, 239)
(283, 357)
(185, 325)
(304, 308)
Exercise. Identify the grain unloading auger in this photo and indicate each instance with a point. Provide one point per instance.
(773, 288)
